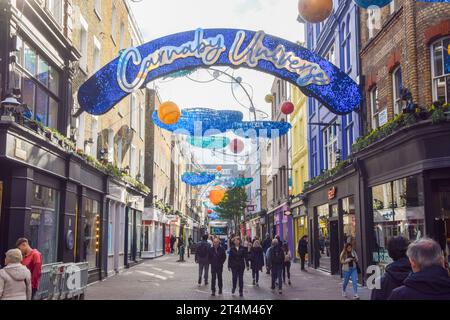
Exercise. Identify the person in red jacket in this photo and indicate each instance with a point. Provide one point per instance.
(32, 259)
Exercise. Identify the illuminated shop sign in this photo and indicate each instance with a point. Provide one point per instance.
(136, 66)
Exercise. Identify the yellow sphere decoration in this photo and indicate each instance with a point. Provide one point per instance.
(269, 98)
(216, 195)
(315, 11)
(169, 113)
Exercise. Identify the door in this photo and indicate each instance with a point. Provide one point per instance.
(334, 246)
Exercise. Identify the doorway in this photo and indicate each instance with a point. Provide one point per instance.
(334, 246)
(441, 205)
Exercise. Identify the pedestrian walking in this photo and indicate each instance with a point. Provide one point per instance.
(256, 261)
(210, 240)
(181, 249)
(396, 272)
(237, 262)
(429, 279)
(302, 250)
(277, 264)
(216, 257)
(349, 261)
(287, 263)
(173, 239)
(201, 257)
(265, 246)
(32, 259)
(189, 248)
(15, 278)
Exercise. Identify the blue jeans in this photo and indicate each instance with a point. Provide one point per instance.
(277, 275)
(201, 267)
(351, 273)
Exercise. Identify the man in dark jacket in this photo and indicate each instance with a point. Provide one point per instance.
(429, 279)
(266, 245)
(302, 250)
(217, 257)
(397, 271)
(277, 264)
(173, 239)
(202, 258)
(237, 261)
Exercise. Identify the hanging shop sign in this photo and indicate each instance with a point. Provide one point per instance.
(136, 66)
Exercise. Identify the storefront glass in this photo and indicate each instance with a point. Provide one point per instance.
(398, 210)
(91, 232)
(323, 216)
(349, 220)
(44, 221)
(139, 233)
(300, 230)
(130, 233)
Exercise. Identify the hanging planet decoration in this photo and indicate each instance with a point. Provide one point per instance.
(219, 168)
(196, 178)
(287, 107)
(210, 211)
(168, 113)
(315, 11)
(216, 195)
(261, 129)
(241, 182)
(212, 142)
(236, 146)
(269, 98)
(368, 3)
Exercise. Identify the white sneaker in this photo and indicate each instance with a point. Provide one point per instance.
(356, 297)
(344, 294)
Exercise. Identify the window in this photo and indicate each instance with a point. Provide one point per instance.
(92, 232)
(94, 133)
(133, 163)
(392, 7)
(349, 220)
(349, 133)
(133, 113)
(110, 145)
(113, 22)
(83, 43)
(331, 55)
(314, 167)
(373, 96)
(119, 152)
(39, 83)
(398, 209)
(330, 146)
(141, 164)
(374, 20)
(55, 7)
(43, 222)
(397, 90)
(345, 45)
(97, 56)
(141, 121)
(440, 68)
(122, 36)
(98, 8)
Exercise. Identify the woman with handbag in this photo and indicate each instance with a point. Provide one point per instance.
(349, 261)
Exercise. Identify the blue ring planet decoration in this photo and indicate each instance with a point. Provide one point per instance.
(136, 66)
(230, 182)
(201, 122)
(368, 3)
(196, 178)
(212, 142)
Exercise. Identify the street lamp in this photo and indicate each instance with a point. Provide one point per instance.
(9, 106)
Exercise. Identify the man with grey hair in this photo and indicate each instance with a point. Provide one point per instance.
(429, 279)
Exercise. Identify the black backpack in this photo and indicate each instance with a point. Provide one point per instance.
(203, 250)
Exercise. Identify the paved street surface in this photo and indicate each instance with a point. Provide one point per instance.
(166, 279)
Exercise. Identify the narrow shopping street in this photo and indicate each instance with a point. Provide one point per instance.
(166, 279)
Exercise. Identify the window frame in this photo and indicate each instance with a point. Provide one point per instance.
(445, 76)
(396, 92)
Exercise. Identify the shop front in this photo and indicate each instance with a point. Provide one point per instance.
(331, 208)
(153, 233)
(134, 230)
(300, 222)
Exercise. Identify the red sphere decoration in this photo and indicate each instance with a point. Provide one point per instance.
(236, 146)
(209, 211)
(287, 107)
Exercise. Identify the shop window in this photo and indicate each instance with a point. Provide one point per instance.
(349, 219)
(398, 210)
(92, 232)
(440, 68)
(42, 227)
(323, 217)
(330, 146)
(130, 234)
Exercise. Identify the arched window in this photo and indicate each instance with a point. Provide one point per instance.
(440, 69)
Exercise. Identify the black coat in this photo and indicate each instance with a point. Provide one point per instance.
(432, 283)
(395, 274)
(302, 248)
(266, 244)
(198, 258)
(217, 258)
(238, 259)
(277, 256)
(256, 258)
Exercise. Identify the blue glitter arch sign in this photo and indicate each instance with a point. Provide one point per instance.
(136, 66)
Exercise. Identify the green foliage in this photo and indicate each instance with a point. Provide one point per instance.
(232, 205)
(327, 174)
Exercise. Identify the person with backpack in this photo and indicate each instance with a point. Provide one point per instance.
(287, 263)
(201, 257)
(237, 261)
(277, 265)
(257, 261)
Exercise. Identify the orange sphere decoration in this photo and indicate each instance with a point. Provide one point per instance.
(237, 146)
(169, 113)
(219, 168)
(315, 11)
(216, 195)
